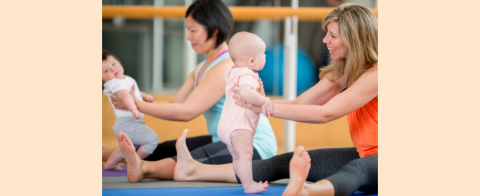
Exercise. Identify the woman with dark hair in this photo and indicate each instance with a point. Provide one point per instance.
(352, 39)
(209, 23)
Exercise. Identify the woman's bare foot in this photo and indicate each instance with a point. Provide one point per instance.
(185, 166)
(256, 187)
(134, 163)
(299, 167)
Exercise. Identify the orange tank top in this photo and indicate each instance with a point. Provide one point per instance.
(363, 124)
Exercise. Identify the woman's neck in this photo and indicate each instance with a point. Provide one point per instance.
(213, 53)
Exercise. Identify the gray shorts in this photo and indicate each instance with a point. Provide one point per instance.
(138, 132)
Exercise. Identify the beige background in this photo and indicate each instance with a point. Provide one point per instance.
(51, 105)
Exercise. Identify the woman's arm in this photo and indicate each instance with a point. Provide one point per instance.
(146, 97)
(319, 94)
(186, 88)
(207, 93)
(356, 96)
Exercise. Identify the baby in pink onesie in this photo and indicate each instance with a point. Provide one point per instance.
(237, 124)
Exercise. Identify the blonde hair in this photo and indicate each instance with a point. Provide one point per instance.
(358, 28)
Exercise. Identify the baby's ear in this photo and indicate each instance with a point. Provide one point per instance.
(251, 61)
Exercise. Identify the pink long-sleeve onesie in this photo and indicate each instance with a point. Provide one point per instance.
(233, 116)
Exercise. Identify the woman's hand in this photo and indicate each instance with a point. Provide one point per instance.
(119, 104)
(146, 97)
(240, 102)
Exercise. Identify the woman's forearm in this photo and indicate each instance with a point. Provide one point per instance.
(301, 113)
(166, 111)
(286, 102)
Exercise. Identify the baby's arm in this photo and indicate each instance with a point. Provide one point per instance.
(128, 101)
(252, 96)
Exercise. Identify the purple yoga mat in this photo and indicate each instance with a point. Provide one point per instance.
(112, 173)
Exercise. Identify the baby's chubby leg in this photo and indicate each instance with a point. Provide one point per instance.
(113, 160)
(242, 142)
(141, 153)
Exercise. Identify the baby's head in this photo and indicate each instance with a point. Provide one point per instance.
(111, 67)
(247, 50)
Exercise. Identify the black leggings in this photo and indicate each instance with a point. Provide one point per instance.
(201, 148)
(215, 153)
(167, 149)
(341, 166)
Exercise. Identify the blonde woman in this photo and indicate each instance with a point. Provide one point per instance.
(352, 34)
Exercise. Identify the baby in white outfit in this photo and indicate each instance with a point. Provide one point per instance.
(129, 122)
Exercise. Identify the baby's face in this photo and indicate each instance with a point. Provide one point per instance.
(259, 57)
(111, 69)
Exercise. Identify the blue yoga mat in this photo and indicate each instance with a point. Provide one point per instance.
(200, 191)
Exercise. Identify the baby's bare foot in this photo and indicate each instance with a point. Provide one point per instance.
(134, 163)
(256, 187)
(112, 167)
(299, 167)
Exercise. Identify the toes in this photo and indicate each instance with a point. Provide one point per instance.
(298, 151)
(125, 138)
(185, 132)
(119, 137)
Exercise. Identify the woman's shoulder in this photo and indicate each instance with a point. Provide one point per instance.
(373, 69)
(227, 62)
(222, 66)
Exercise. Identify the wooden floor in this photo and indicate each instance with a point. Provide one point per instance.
(311, 136)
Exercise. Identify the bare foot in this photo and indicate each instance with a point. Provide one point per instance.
(134, 163)
(256, 187)
(299, 167)
(112, 167)
(185, 164)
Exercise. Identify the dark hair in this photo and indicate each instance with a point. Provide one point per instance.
(106, 53)
(213, 14)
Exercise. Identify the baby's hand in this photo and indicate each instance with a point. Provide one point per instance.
(267, 107)
(136, 114)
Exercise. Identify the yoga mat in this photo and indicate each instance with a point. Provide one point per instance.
(199, 191)
(122, 183)
(112, 173)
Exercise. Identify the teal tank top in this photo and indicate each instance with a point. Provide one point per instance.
(264, 140)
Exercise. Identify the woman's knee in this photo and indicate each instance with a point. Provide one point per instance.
(362, 167)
